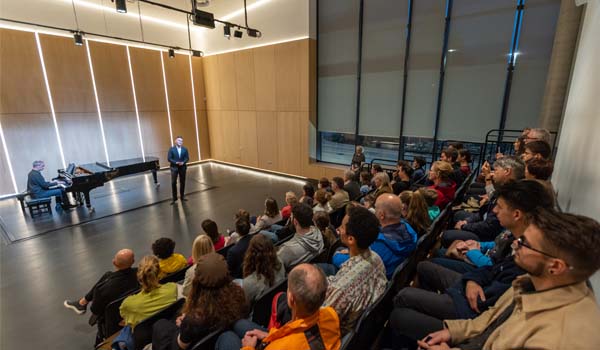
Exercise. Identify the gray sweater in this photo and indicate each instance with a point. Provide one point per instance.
(301, 248)
(255, 285)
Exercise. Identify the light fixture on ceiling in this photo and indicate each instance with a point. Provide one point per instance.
(238, 34)
(227, 31)
(203, 19)
(78, 37)
(197, 53)
(121, 6)
(254, 33)
(171, 53)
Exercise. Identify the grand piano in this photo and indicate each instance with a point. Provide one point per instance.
(81, 179)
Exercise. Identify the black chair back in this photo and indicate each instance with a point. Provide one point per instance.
(175, 276)
(261, 313)
(223, 251)
(336, 216)
(142, 333)
(112, 316)
(338, 243)
(208, 342)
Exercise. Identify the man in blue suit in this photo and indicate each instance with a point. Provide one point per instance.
(178, 157)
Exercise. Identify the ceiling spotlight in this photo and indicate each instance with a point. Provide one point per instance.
(238, 34)
(254, 33)
(121, 6)
(171, 53)
(203, 18)
(227, 31)
(78, 38)
(197, 53)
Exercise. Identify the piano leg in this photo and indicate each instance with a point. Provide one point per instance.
(155, 177)
(88, 203)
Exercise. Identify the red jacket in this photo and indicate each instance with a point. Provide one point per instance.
(445, 191)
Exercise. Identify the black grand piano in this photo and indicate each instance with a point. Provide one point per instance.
(81, 179)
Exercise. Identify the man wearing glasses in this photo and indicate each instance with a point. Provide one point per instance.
(551, 307)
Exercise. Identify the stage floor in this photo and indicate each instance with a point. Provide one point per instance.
(50, 259)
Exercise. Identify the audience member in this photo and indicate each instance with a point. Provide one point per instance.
(439, 174)
(234, 236)
(340, 197)
(419, 176)
(212, 230)
(549, 308)
(270, 216)
(538, 169)
(308, 192)
(382, 184)
(361, 279)
(415, 211)
(464, 159)
(311, 326)
(350, 185)
(324, 184)
(290, 201)
(537, 150)
(170, 262)
(262, 269)
(109, 287)
(402, 177)
(322, 222)
(396, 240)
(450, 155)
(376, 168)
(202, 245)
(215, 302)
(430, 196)
(365, 182)
(358, 158)
(235, 254)
(537, 134)
(322, 198)
(306, 243)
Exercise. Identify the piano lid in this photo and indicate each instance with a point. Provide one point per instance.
(128, 162)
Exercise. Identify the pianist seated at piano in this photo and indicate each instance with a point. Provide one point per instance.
(38, 187)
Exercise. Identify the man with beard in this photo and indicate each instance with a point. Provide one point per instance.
(551, 307)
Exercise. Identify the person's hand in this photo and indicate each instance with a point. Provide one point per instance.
(499, 155)
(249, 341)
(486, 169)
(260, 335)
(436, 340)
(473, 245)
(460, 224)
(179, 319)
(461, 246)
(473, 292)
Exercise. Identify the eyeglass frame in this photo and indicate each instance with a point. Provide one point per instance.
(521, 243)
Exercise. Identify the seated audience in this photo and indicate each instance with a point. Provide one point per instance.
(212, 230)
(450, 155)
(365, 182)
(537, 150)
(382, 184)
(270, 216)
(322, 198)
(538, 169)
(464, 159)
(308, 192)
(420, 311)
(215, 302)
(170, 262)
(306, 243)
(439, 174)
(350, 185)
(375, 169)
(415, 211)
(361, 279)
(202, 245)
(537, 134)
(402, 177)
(324, 184)
(234, 236)
(358, 158)
(152, 298)
(290, 201)
(396, 240)
(235, 254)
(430, 197)
(262, 269)
(340, 197)
(323, 223)
(551, 307)
(419, 175)
(311, 326)
(109, 287)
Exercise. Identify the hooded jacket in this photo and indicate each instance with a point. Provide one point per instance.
(301, 248)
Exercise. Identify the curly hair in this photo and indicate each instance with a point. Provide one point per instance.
(163, 247)
(147, 273)
(218, 307)
(261, 258)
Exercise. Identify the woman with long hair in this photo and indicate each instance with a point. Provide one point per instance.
(415, 211)
(212, 230)
(439, 174)
(322, 198)
(262, 269)
(382, 184)
(308, 192)
(202, 245)
(270, 216)
(214, 302)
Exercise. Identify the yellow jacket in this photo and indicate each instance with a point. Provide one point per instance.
(171, 264)
(560, 318)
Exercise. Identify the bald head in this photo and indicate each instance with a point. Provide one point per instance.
(388, 209)
(307, 285)
(123, 259)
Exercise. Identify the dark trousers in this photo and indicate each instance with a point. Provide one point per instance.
(90, 295)
(178, 171)
(434, 277)
(454, 265)
(233, 339)
(58, 193)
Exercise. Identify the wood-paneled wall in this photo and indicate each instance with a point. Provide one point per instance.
(260, 104)
(26, 118)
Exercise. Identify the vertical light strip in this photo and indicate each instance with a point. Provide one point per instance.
(137, 113)
(39, 46)
(195, 114)
(10, 169)
(89, 56)
(162, 62)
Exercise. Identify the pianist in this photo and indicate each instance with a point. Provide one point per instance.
(38, 187)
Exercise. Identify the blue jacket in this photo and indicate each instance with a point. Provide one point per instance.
(393, 244)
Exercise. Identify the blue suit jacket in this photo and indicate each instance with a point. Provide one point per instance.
(174, 157)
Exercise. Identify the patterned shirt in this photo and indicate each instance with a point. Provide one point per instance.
(358, 284)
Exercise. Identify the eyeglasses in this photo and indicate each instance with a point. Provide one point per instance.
(522, 243)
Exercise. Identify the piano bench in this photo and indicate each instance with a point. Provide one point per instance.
(39, 206)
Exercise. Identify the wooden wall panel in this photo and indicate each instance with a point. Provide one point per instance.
(248, 139)
(22, 88)
(227, 90)
(111, 72)
(287, 76)
(200, 91)
(68, 75)
(266, 131)
(122, 138)
(6, 186)
(244, 79)
(179, 83)
(231, 134)
(212, 82)
(148, 80)
(289, 142)
(183, 124)
(155, 135)
(31, 137)
(81, 137)
(216, 134)
(264, 68)
(204, 134)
